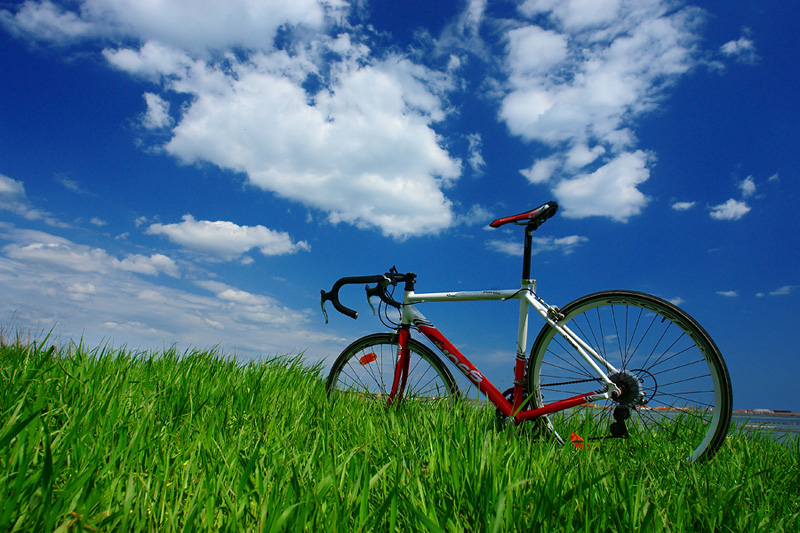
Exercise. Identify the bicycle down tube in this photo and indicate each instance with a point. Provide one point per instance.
(412, 317)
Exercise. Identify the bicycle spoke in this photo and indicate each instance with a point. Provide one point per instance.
(668, 374)
(367, 369)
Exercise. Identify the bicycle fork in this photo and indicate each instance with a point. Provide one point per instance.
(401, 368)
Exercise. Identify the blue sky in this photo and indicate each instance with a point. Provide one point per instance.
(195, 172)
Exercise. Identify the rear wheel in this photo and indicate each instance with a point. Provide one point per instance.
(676, 393)
(366, 368)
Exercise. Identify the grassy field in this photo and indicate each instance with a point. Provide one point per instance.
(116, 440)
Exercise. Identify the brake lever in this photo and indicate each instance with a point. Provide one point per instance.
(322, 304)
(378, 290)
(374, 313)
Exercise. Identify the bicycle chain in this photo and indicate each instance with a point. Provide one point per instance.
(569, 382)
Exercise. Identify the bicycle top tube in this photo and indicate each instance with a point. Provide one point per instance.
(530, 219)
(468, 296)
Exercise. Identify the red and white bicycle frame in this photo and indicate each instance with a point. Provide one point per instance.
(411, 317)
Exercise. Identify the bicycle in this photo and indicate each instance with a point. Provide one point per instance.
(610, 365)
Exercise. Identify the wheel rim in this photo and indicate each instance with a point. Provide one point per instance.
(670, 374)
(367, 371)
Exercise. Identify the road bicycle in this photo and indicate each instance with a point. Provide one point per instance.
(615, 365)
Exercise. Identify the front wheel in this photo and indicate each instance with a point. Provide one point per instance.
(676, 393)
(366, 369)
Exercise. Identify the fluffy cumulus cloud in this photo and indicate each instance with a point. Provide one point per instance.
(304, 107)
(735, 209)
(731, 210)
(362, 151)
(226, 239)
(579, 73)
(611, 190)
(296, 96)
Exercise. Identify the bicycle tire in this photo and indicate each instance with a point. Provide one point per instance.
(366, 369)
(676, 390)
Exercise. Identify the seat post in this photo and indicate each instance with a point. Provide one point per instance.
(526, 254)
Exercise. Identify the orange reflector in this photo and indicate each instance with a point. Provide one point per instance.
(576, 440)
(367, 359)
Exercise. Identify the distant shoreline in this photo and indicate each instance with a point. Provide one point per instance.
(768, 412)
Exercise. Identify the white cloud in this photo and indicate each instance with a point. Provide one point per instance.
(151, 265)
(80, 292)
(477, 215)
(730, 210)
(248, 308)
(542, 170)
(581, 155)
(46, 21)
(475, 159)
(157, 114)
(506, 247)
(80, 258)
(565, 245)
(748, 187)
(14, 199)
(607, 76)
(359, 146)
(550, 46)
(87, 294)
(743, 49)
(728, 294)
(683, 206)
(12, 193)
(62, 254)
(72, 185)
(579, 74)
(352, 133)
(464, 33)
(198, 26)
(226, 239)
(575, 14)
(783, 291)
(363, 151)
(609, 191)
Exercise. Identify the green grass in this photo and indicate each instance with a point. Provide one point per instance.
(117, 440)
